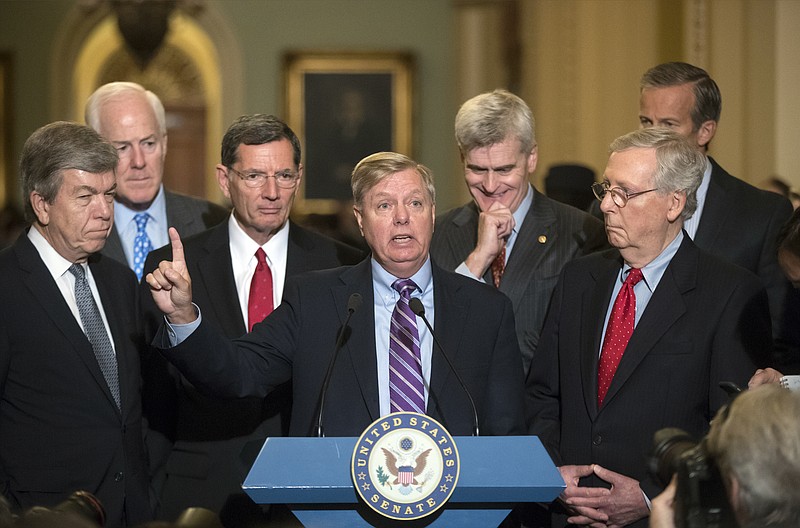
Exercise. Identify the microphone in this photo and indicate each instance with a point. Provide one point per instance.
(416, 306)
(353, 304)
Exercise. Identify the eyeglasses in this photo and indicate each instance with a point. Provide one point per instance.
(283, 179)
(619, 195)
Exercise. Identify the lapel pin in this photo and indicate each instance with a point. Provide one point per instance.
(542, 239)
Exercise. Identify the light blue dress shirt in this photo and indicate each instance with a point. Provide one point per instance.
(156, 227)
(385, 299)
(652, 274)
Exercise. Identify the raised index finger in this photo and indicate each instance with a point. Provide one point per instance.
(177, 247)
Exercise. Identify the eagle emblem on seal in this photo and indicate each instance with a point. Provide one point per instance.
(407, 473)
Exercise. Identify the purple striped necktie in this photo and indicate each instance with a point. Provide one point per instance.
(406, 388)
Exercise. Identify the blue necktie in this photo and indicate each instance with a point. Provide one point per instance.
(95, 330)
(406, 388)
(141, 244)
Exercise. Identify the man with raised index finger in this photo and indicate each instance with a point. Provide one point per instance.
(394, 206)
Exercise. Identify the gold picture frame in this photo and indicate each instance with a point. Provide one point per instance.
(7, 174)
(344, 106)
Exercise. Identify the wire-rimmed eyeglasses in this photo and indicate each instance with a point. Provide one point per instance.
(619, 195)
(284, 179)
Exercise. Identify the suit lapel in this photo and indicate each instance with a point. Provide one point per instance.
(113, 247)
(715, 209)
(449, 325)
(463, 236)
(216, 276)
(300, 254)
(529, 250)
(178, 215)
(665, 307)
(359, 347)
(44, 289)
(594, 306)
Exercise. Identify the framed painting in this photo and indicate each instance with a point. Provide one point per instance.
(345, 106)
(7, 174)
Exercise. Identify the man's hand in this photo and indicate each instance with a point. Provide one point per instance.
(622, 505)
(763, 377)
(494, 227)
(171, 285)
(583, 515)
(662, 515)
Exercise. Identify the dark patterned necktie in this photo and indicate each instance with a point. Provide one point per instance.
(141, 244)
(406, 388)
(95, 330)
(499, 267)
(259, 303)
(618, 333)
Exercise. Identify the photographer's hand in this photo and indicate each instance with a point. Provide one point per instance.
(763, 377)
(623, 505)
(662, 514)
(583, 515)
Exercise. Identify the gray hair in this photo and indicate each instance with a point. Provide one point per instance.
(256, 129)
(492, 117)
(679, 165)
(58, 147)
(707, 99)
(374, 168)
(110, 91)
(758, 443)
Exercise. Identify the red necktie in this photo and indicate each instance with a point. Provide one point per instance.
(259, 304)
(618, 333)
(499, 266)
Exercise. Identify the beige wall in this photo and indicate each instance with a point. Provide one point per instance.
(582, 61)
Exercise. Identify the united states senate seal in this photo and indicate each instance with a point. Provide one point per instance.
(405, 466)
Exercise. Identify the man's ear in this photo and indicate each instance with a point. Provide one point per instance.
(357, 213)
(223, 181)
(706, 133)
(533, 159)
(677, 204)
(40, 208)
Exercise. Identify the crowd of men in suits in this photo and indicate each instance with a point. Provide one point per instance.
(150, 342)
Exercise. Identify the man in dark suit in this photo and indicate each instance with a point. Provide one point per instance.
(620, 359)
(260, 173)
(734, 220)
(133, 120)
(510, 231)
(394, 205)
(70, 408)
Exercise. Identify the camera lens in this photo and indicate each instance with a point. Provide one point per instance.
(669, 444)
(84, 505)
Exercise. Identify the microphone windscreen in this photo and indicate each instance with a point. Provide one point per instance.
(416, 306)
(354, 302)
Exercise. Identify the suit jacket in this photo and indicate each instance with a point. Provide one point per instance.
(204, 466)
(551, 235)
(474, 323)
(706, 322)
(187, 214)
(740, 224)
(59, 426)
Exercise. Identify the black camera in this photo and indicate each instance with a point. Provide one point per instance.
(701, 500)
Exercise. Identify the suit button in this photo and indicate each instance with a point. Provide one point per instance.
(118, 477)
(597, 440)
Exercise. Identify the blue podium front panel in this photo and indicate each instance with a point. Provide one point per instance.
(314, 475)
